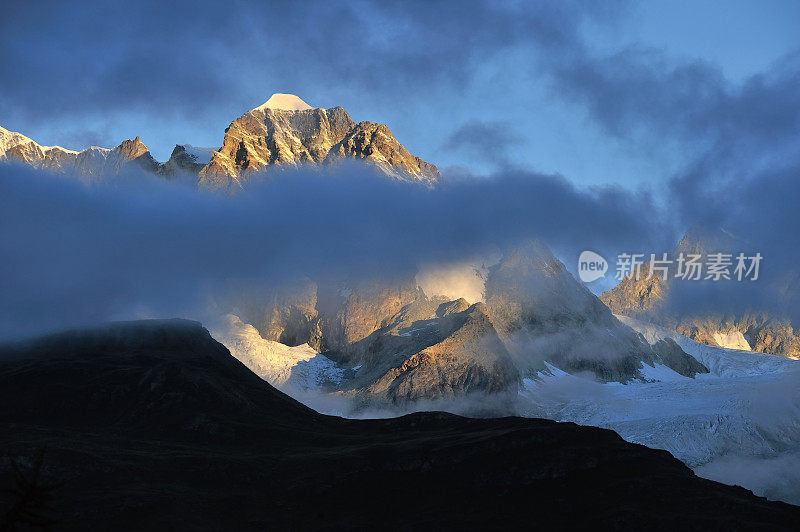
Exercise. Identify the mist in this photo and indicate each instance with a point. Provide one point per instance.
(134, 246)
(137, 246)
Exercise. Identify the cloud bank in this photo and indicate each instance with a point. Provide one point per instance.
(137, 245)
(76, 253)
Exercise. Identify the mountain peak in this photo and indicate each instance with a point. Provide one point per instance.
(132, 148)
(11, 138)
(284, 102)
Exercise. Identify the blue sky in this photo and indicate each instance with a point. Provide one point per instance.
(470, 84)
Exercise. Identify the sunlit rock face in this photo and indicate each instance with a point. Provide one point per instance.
(330, 316)
(421, 356)
(286, 130)
(375, 144)
(88, 163)
(397, 343)
(266, 136)
(15, 147)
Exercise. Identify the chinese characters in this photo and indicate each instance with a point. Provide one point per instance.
(690, 266)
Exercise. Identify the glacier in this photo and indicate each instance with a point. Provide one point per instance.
(738, 424)
(290, 369)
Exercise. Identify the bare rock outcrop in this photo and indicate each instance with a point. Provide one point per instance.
(88, 163)
(398, 345)
(543, 314)
(283, 131)
(294, 134)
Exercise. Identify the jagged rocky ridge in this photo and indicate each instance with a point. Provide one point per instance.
(89, 163)
(397, 344)
(283, 131)
(743, 328)
(287, 131)
(153, 423)
(407, 345)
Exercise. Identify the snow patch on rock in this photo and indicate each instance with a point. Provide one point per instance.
(726, 424)
(660, 373)
(298, 368)
(198, 155)
(732, 340)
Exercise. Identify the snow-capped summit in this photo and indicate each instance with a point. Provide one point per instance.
(17, 147)
(9, 139)
(284, 130)
(288, 131)
(92, 161)
(285, 102)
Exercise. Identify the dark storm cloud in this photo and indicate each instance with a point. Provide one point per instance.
(641, 88)
(736, 143)
(738, 140)
(90, 57)
(76, 254)
(173, 59)
(484, 141)
(728, 134)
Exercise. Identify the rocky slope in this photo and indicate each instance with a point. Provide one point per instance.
(741, 328)
(396, 344)
(185, 160)
(283, 131)
(545, 314)
(17, 147)
(89, 163)
(154, 424)
(429, 354)
(286, 130)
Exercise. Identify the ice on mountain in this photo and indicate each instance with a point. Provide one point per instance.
(285, 367)
(732, 340)
(199, 155)
(747, 407)
(284, 102)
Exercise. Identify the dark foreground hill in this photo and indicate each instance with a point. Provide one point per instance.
(154, 425)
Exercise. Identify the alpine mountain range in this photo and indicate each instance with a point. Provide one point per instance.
(283, 131)
(531, 341)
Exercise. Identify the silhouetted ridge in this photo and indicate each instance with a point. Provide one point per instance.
(155, 424)
(159, 376)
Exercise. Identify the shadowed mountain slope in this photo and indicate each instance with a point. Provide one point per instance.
(155, 424)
